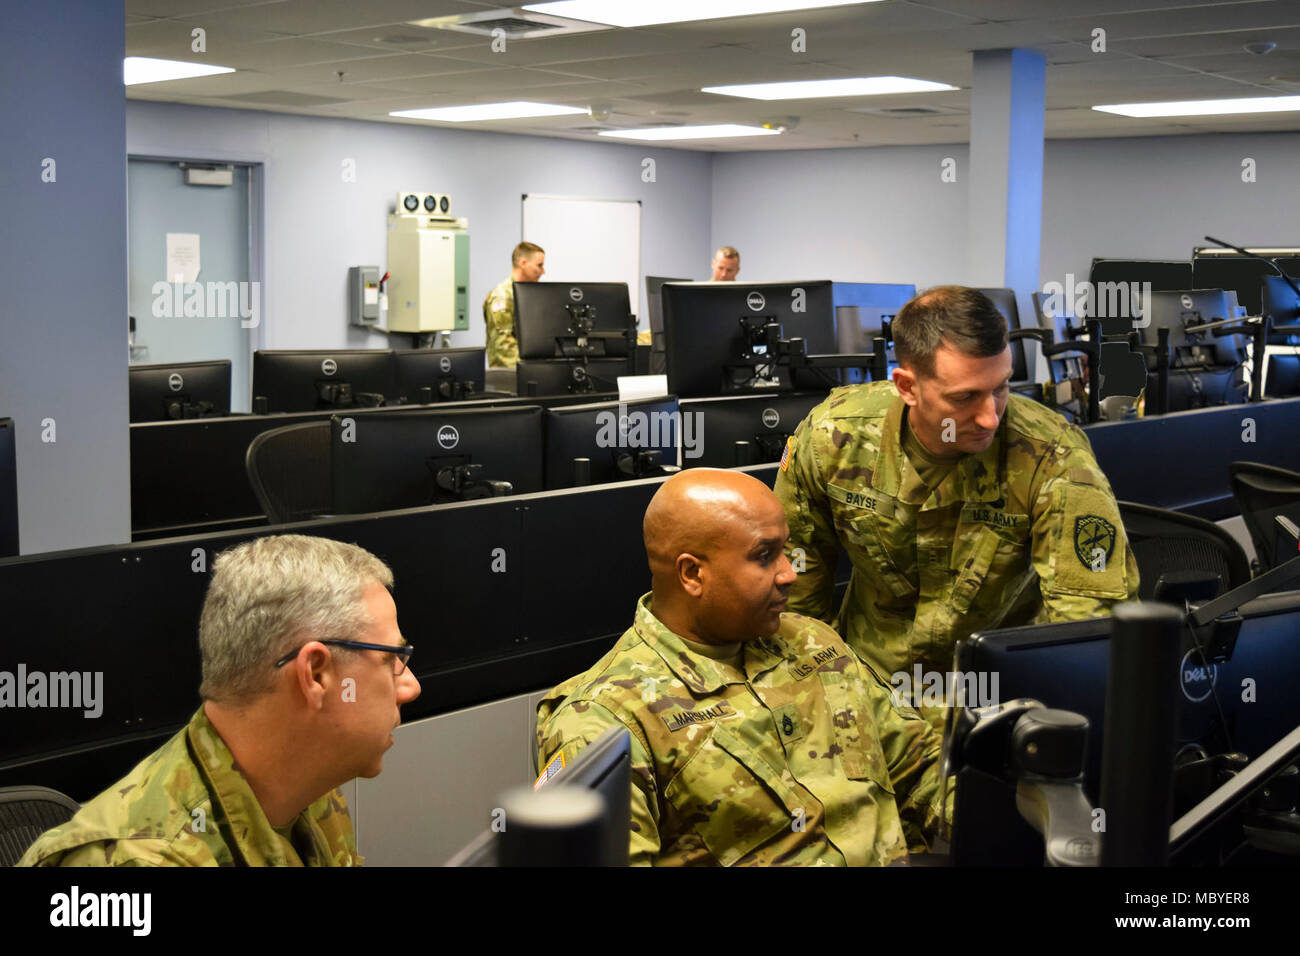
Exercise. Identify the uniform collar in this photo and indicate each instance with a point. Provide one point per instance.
(701, 674)
(976, 478)
(256, 841)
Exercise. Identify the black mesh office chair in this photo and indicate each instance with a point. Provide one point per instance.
(26, 813)
(289, 469)
(1179, 554)
(1263, 492)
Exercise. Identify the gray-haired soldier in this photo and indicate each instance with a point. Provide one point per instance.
(304, 670)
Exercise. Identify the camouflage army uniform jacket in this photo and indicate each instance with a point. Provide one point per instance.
(798, 759)
(1027, 530)
(499, 321)
(187, 805)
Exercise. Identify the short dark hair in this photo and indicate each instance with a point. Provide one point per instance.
(965, 319)
(523, 251)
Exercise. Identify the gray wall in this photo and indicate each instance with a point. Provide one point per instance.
(883, 215)
(317, 225)
(63, 254)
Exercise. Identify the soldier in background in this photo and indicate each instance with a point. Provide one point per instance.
(300, 643)
(961, 507)
(528, 264)
(757, 736)
(725, 265)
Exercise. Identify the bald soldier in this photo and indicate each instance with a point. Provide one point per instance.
(757, 737)
(960, 505)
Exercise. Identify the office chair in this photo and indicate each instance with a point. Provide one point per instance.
(289, 469)
(26, 813)
(1263, 492)
(1181, 554)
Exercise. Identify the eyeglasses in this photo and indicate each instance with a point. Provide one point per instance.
(401, 652)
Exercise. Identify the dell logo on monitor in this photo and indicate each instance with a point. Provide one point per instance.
(1186, 300)
(448, 437)
(329, 366)
(175, 382)
(755, 301)
(1195, 678)
(575, 294)
(444, 363)
(771, 417)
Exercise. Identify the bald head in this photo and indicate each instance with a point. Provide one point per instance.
(714, 541)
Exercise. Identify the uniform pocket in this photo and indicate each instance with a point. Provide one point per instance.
(856, 734)
(732, 797)
(863, 539)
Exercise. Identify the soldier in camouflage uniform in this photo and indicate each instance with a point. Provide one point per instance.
(528, 264)
(757, 737)
(961, 507)
(280, 633)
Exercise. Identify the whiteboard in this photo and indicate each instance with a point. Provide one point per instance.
(588, 240)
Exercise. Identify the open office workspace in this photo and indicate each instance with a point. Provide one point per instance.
(839, 432)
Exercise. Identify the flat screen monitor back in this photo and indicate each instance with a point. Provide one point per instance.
(605, 431)
(703, 332)
(541, 317)
(389, 460)
(874, 302)
(437, 370)
(1065, 666)
(764, 422)
(1163, 274)
(290, 380)
(1242, 275)
(557, 376)
(1175, 310)
(1283, 376)
(8, 490)
(605, 765)
(1283, 308)
(158, 392)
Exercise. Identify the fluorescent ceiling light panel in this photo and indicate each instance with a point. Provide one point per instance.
(814, 89)
(519, 109)
(1250, 104)
(147, 69)
(718, 131)
(641, 13)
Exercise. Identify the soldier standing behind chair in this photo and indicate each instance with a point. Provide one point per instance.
(528, 264)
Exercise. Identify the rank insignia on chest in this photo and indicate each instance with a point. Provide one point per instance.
(787, 722)
(1094, 540)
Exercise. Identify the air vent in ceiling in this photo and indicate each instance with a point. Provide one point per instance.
(516, 23)
(907, 112)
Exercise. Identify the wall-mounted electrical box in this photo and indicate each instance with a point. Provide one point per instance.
(363, 296)
(428, 265)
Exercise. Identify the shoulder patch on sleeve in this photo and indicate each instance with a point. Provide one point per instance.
(550, 770)
(788, 453)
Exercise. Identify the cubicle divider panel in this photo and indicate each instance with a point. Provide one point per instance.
(1180, 461)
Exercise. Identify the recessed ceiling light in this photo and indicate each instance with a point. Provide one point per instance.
(147, 69)
(815, 89)
(1249, 104)
(518, 109)
(718, 131)
(624, 13)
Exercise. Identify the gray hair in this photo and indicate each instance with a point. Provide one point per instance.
(271, 594)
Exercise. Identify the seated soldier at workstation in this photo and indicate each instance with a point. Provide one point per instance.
(962, 507)
(757, 737)
(304, 670)
(527, 264)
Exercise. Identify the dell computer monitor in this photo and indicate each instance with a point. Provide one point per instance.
(619, 440)
(1163, 274)
(570, 377)
(1282, 306)
(736, 430)
(176, 390)
(311, 380)
(709, 327)
(545, 314)
(861, 309)
(1240, 274)
(438, 375)
(389, 460)
(1177, 310)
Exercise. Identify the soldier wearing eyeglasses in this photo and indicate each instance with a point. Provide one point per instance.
(300, 643)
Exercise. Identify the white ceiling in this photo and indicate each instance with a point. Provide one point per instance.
(345, 58)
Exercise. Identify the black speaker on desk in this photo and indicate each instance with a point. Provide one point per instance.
(8, 490)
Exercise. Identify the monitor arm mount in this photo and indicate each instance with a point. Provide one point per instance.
(463, 482)
(340, 395)
(584, 343)
(1040, 751)
(448, 389)
(1090, 347)
(644, 463)
(179, 406)
(765, 351)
